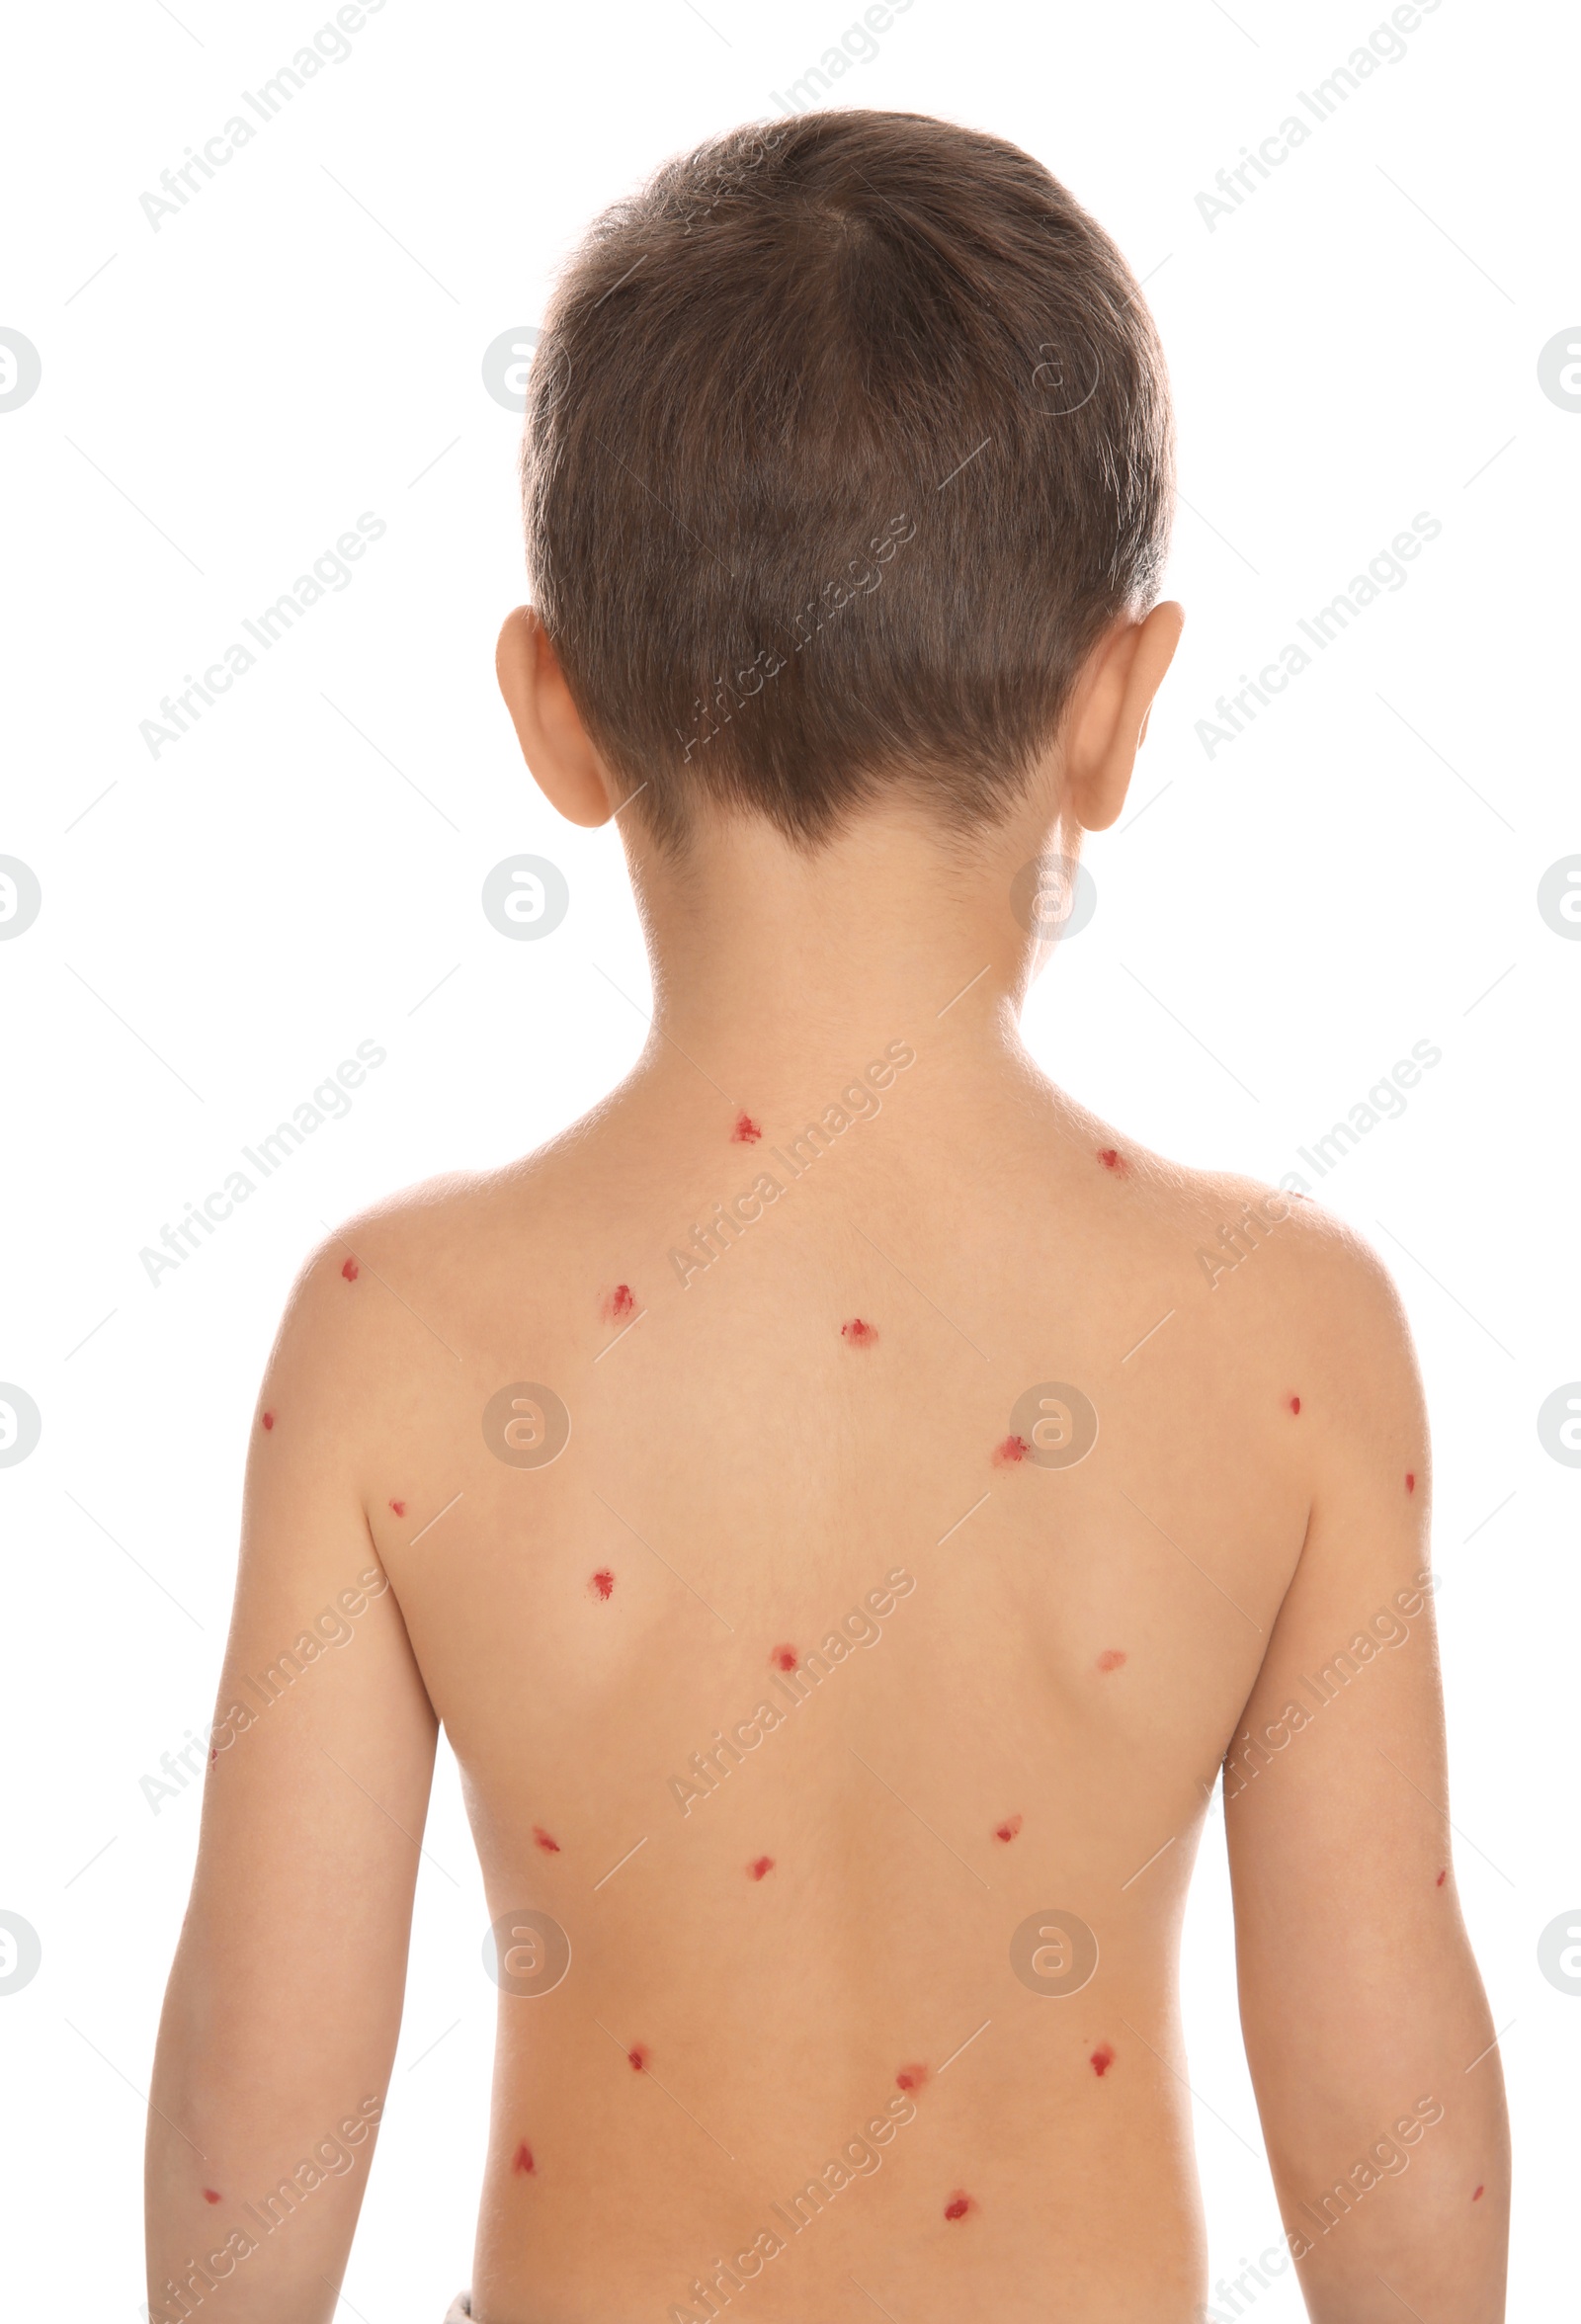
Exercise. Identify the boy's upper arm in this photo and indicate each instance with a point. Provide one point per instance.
(1354, 1967)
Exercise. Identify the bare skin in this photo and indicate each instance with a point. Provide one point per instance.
(1014, 1676)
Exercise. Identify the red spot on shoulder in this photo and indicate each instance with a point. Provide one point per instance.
(212, 2194)
(1102, 2059)
(350, 1271)
(911, 2077)
(746, 1131)
(1478, 2195)
(524, 2158)
(958, 2206)
(858, 1334)
(1296, 1403)
(603, 1582)
(399, 1508)
(1008, 1829)
(758, 1865)
(620, 1301)
(1410, 1480)
(1013, 1449)
(268, 1420)
(1112, 1159)
(637, 2058)
(1110, 1658)
(546, 1840)
(783, 1658)
(1442, 1876)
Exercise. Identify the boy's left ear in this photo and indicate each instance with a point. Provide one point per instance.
(559, 753)
(1110, 710)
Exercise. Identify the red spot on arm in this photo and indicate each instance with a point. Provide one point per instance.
(1410, 1480)
(858, 1334)
(268, 1420)
(758, 1865)
(1013, 1449)
(350, 1271)
(911, 2077)
(524, 2158)
(1296, 1403)
(399, 1508)
(958, 2206)
(637, 2058)
(1110, 1658)
(546, 1840)
(212, 2194)
(619, 1302)
(603, 1582)
(1442, 1876)
(1112, 1159)
(1102, 2059)
(783, 1658)
(746, 1131)
(1008, 1829)
(1477, 2197)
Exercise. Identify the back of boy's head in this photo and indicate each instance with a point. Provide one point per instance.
(756, 378)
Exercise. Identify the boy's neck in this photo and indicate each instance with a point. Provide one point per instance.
(771, 965)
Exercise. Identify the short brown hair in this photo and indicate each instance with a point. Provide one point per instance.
(847, 438)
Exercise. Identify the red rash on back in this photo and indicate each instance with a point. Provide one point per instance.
(350, 1271)
(212, 2194)
(213, 1755)
(546, 1840)
(399, 1508)
(911, 2077)
(760, 1866)
(603, 1582)
(619, 1302)
(1112, 1159)
(1008, 1829)
(958, 2206)
(783, 1658)
(746, 1131)
(1102, 2059)
(268, 1420)
(1442, 1876)
(1013, 1449)
(1110, 1658)
(858, 1334)
(637, 2058)
(524, 2158)
(1477, 2197)
(1410, 1481)
(1296, 1404)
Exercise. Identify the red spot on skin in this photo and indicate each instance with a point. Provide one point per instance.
(213, 1755)
(1112, 1159)
(350, 1271)
(761, 1865)
(1008, 1829)
(746, 1131)
(637, 2058)
(524, 2158)
(783, 1658)
(1102, 2059)
(911, 2077)
(1410, 1480)
(603, 1582)
(1296, 1403)
(1477, 2197)
(1110, 1658)
(1013, 1449)
(268, 1420)
(1442, 1876)
(212, 2194)
(958, 2206)
(858, 1334)
(546, 1840)
(619, 1302)
(399, 1508)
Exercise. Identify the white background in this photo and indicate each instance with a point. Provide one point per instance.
(221, 398)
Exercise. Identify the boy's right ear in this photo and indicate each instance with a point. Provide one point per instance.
(555, 744)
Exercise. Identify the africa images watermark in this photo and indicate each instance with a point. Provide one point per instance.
(332, 571)
(1386, 572)
(1385, 45)
(329, 46)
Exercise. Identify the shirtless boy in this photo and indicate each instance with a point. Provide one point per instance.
(838, 1497)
